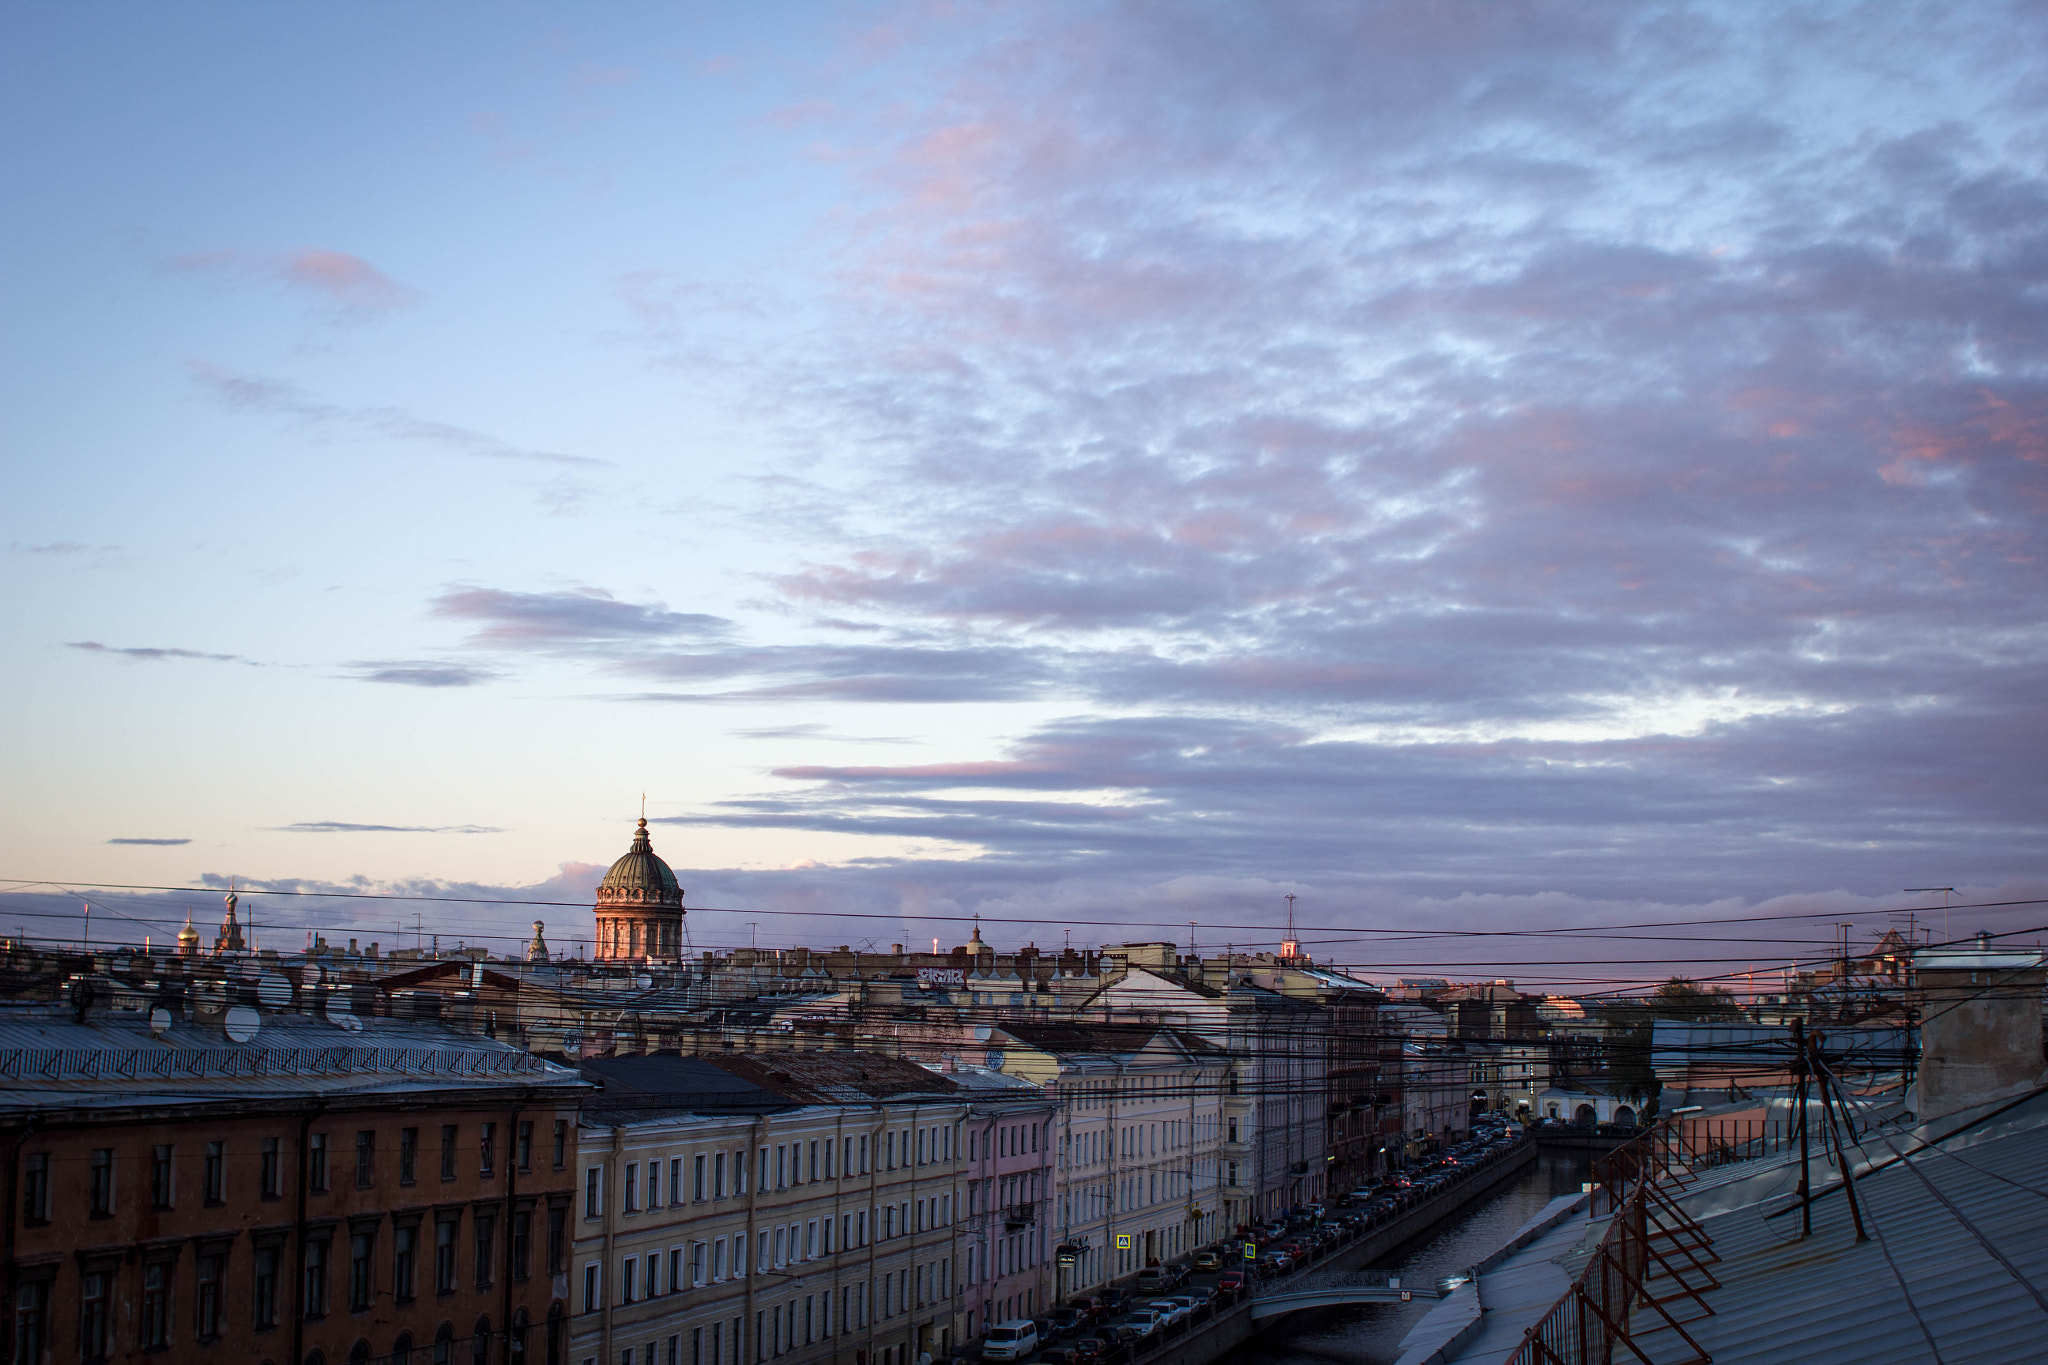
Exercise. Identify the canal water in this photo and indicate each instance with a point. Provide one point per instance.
(1369, 1334)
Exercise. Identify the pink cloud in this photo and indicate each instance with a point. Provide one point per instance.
(348, 286)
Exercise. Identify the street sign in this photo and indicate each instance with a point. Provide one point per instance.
(1251, 1251)
(1123, 1241)
(1407, 1295)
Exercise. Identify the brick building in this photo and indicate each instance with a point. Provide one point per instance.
(324, 1191)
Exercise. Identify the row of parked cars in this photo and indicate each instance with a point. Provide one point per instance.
(1116, 1325)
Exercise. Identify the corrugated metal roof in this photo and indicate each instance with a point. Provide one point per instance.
(1831, 1298)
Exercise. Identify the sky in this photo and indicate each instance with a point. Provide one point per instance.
(1473, 466)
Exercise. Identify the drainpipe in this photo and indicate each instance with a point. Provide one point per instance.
(757, 1139)
(511, 1190)
(299, 1243)
(611, 1218)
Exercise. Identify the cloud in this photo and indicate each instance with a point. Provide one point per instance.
(814, 731)
(247, 394)
(154, 843)
(578, 617)
(1467, 446)
(55, 547)
(152, 654)
(419, 673)
(346, 287)
(343, 827)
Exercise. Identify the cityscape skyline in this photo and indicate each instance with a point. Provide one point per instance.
(1477, 467)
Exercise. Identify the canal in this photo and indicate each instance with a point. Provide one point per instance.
(1371, 1333)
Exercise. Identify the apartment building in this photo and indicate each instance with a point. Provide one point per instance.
(1011, 1185)
(1138, 1163)
(800, 1207)
(305, 1193)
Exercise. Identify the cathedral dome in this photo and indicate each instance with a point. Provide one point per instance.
(639, 877)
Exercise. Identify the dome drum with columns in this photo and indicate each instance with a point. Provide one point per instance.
(639, 908)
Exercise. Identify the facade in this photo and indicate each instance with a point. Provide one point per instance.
(802, 1207)
(312, 1195)
(1012, 1182)
(1139, 1168)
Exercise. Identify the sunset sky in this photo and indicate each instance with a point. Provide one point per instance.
(1472, 465)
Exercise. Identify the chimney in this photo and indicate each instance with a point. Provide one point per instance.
(1980, 1039)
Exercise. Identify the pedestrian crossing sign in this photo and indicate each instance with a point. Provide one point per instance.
(1123, 1241)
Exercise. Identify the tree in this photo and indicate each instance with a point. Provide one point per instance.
(1632, 1020)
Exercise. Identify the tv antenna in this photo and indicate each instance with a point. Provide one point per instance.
(1946, 892)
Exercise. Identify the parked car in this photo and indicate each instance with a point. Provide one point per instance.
(1154, 1278)
(1139, 1322)
(1208, 1259)
(1233, 1282)
(1170, 1311)
(1088, 1350)
(1012, 1340)
(1067, 1322)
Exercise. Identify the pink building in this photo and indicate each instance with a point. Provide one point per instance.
(1007, 1257)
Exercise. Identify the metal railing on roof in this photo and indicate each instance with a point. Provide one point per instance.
(1652, 1254)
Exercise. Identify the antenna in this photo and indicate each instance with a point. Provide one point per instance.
(1946, 892)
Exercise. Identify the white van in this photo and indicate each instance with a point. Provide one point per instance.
(1012, 1340)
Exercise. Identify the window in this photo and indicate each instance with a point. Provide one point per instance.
(781, 1166)
(408, 1155)
(480, 1343)
(444, 1345)
(632, 1197)
(31, 1320)
(362, 1285)
(626, 1269)
(154, 1306)
(831, 1150)
(215, 1175)
(206, 1307)
(593, 1192)
(863, 1154)
(444, 1256)
(675, 1270)
(718, 1259)
(561, 1143)
(718, 1176)
(101, 1190)
(366, 1157)
(264, 1299)
(316, 1161)
(95, 1288)
(696, 1264)
(522, 1244)
(591, 1302)
(654, 1184)
(558, 1234)
(448, 1135)
(485, 1225)
(697, 1177)
(525, 1145)
(35, 1189)
(404, 1263)
(890, 1159)
(401, 1349)
(487, 1149)
(316, 1279)
(273, 1170)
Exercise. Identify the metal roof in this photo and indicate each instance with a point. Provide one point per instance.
(1831, 1298)
(49, 1060)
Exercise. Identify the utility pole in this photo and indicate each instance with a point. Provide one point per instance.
(1804, 1072)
